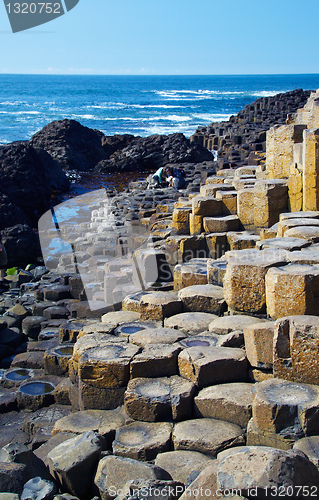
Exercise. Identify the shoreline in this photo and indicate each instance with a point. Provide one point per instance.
(154, 337)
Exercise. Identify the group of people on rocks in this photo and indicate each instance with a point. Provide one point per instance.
(168, 176)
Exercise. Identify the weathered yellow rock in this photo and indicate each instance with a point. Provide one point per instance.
(270, 199)
(296, 348)
(214, 179)
(229, 200)
(205, 298)
(311, 170)
(209, 189)
(292, 289)
(309, 114)
(180, 227)
(213, 365)
(217, 244)
(241, 240)
(221, 224)
(107, 367)
(245, 207)
(260, 437)
(159, 305)
(266, 234)
(259, 344)
(284, 407)
(279, 145)
(180, 249)
(247, 170)
(183, 203)
(240, 184)
(244, 281)
(195, 224)
(228, 402)
(206, 206)
(193, 274)
(181, 214)
(295, 187)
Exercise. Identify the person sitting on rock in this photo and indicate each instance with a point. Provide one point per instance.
(175, 178)
(3, 259)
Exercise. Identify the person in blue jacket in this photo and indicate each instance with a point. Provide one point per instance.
(160, 176)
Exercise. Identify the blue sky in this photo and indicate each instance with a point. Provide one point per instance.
(168, 37)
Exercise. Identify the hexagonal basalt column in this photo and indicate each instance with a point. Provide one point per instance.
(292, 289)
(107, 366)
(153, 336)
(296, 349)
(203, 298)
(151, 400)
(228, 324)
(206, 435)
(182, 464)
(142, 441)
(157, 360)
(221, 224)
(205, 366)
(189, 274)
(56, 361)
(244, 281)
(259, 339)
(283, 412)
(190, 323)
(229, 402)
(159, 305)
(85, 343)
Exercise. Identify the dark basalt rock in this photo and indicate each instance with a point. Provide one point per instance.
(71, 144)
(22, 245)
(149, 153)
(28, 177)
(10, 214)
(113, 143)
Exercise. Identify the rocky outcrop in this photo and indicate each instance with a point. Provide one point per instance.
(10, 213)
(242, 139)
(21, 243)
(28, 176)
(71, 144)
(149, 153)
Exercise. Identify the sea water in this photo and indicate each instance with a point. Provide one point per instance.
(138, 105)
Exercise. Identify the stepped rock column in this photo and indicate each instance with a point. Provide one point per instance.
(270, 199)
(279, 145)
(311, 169)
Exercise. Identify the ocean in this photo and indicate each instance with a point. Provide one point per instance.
(138, 105)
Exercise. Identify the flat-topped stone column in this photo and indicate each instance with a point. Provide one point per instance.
(205, 366)
(156, 399)
(244, 280)
(245, 203)
(283, 412)
(270, 199)
(311, 169)
(296, 347)
(259, 339)
(292, 289)
(160, 305)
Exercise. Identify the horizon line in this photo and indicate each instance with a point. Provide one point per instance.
(158, 74)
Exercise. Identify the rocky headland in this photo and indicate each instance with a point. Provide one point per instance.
(171, 350)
